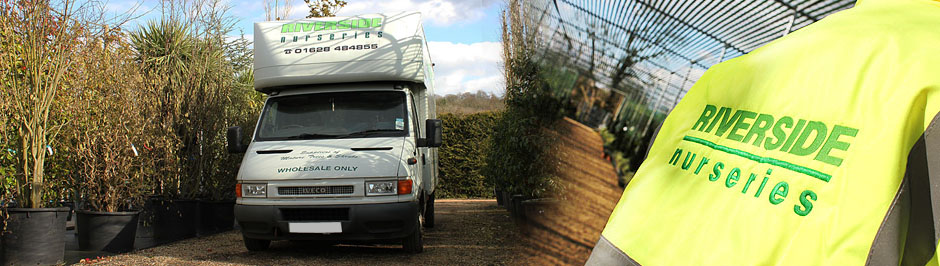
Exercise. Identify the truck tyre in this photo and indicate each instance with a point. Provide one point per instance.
(429, 213)
(256, 244)
(413, 243)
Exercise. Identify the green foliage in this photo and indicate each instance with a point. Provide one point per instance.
(112, 128)
(560, 78)
(165, 45)
(631, 135)
(324, 8)
(203, 85)
(469, 103)
(463, 155)
(136, 114)
(7, 172)
(38, 49)
(517, 158)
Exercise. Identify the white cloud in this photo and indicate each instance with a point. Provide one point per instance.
(436, 12)
(463, 68)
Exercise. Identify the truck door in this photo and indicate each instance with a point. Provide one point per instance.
(420, 152)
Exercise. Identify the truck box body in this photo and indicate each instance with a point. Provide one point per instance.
(372, 47)
(347, 117)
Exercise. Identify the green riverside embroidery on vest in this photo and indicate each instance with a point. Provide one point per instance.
(760, 159)
(776, 194)
(743, 126)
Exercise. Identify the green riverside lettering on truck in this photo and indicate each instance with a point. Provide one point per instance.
(802, 138)
(366, 23)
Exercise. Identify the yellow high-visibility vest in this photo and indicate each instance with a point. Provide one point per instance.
(820, 148)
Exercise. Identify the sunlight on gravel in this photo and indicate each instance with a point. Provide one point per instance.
(468, 232)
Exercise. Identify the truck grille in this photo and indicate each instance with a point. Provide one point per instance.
(315, 190)
(315, 214)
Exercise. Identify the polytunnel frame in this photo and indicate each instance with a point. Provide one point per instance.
(704, 33)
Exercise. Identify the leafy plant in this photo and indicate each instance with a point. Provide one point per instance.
(324, 8)
(468, 103)
(164, 51)
(114, 128)
(463, 155)
(517, 155)
(204, 86)
(38, 42)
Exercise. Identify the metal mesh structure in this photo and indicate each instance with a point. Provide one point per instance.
(653, 51)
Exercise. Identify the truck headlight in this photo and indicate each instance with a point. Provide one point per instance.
(381, 188)
(254, 190)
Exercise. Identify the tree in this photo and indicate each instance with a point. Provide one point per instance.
(38, 41)
(324, 8)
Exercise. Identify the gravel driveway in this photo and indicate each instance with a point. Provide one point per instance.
(468, 232)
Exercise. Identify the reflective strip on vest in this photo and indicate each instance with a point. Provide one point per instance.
(795, 154)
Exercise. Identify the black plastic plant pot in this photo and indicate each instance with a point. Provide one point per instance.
(518, 210)
(216, 216)
(539, 210)
(106, 231)
(507, 201)
(174, 220)
(71, 206)
(206, 224)
(33, 236)
(146, 219)
(224, 215)
(499, 197)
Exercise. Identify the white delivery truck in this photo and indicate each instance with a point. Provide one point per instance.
(344, 147)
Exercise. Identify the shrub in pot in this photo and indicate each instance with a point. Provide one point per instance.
(217, 205)
(165, 50)
(519, 157)
(217, 195)
(114, 156)
(37, 54)
(200, 99)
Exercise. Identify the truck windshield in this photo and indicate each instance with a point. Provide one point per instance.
(361, 114)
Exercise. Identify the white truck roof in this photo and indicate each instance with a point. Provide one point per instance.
(371, 47)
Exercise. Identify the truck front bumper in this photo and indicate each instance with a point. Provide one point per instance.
(360, 222)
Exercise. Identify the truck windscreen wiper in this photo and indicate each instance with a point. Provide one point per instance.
(312, 136)
(370, 132)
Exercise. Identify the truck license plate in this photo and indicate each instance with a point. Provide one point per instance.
(323, 228)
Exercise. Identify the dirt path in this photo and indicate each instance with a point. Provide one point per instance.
(568, 233)
(468, 232)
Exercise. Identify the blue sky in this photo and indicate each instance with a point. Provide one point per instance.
(463, 35)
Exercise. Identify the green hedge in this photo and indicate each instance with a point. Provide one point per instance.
(462, 155)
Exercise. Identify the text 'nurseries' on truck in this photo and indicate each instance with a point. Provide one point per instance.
(343, 150)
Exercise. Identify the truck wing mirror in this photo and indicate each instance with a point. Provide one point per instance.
(234, 137)
(433, 134)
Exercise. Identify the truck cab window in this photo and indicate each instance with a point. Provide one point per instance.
(414, 115)
(335, 115)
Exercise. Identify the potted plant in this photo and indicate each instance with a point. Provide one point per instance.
(217, 208)
(217, 204)
(115, 128)
(164, 50)
(37, 41)
(217, 201)
(217, 197)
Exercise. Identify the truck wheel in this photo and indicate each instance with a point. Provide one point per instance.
(256, 244)
(413, 243)
(429, 213)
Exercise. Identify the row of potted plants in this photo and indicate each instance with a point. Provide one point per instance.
(127, 126)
